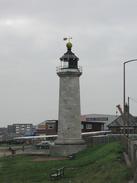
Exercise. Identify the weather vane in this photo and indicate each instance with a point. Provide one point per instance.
(67, 39)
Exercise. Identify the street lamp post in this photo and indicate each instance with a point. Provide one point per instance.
(124, 81)
(124, 87)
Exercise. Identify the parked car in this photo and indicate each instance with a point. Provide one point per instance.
(44, 145)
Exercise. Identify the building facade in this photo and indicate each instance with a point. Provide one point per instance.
(20, 129)
(3, 134)
(98, 121)
(119, 127)
(89, 123)
(88, 126)
(48, 127)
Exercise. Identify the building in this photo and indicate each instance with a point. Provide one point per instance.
(96, 122)
(124, 124)
(48, 127)
(118, 127)
(20, 129)
(89, 123)
(88, 126)
(3, 134)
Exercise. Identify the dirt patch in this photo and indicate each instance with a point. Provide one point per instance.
(4, 153)
(47, 158)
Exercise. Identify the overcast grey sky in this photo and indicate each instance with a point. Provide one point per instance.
(31, 42)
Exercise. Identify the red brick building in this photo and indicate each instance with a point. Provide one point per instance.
(48, 127)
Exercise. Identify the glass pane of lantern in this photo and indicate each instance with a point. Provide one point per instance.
(65, 64)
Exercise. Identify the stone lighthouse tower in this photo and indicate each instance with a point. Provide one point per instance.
(69, 125)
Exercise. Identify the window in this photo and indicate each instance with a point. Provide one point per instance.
(82, 126)
(65, 64)
(97, 119)
(88, 126)
(50, 126)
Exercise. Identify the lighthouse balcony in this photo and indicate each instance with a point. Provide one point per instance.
(61, 69)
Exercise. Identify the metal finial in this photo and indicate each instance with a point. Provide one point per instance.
(69, 44)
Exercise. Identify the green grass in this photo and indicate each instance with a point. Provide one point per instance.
(100, 164)
(4, 145)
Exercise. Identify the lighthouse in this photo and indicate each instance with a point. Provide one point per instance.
(69, 139)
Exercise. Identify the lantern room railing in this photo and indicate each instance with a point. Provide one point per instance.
(64, 69)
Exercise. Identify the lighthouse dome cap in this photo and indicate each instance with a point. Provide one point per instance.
(69, 45)
(69, 56)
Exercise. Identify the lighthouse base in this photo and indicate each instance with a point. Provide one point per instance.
(66, 149)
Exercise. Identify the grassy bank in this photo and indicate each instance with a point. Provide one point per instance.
(101, 164)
